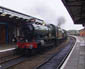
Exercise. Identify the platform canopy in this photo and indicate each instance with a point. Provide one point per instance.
(15, 17)
(76, 8)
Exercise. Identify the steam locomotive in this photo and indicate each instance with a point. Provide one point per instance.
(36, 36)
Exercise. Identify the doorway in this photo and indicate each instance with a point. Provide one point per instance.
(3, 33)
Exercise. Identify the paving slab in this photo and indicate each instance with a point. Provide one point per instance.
(76, 59)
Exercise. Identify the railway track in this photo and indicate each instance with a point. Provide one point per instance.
(4, 53)
(38, 61)
(8, 59)
(11, 62)
(56, 61)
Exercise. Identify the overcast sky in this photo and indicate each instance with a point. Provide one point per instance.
(48, 10)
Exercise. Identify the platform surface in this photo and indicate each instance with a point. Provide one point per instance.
(6, 47)
(76, 58)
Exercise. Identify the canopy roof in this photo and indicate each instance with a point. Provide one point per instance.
(15, 17)
(76, 8)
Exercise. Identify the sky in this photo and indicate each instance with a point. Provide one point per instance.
(48, 10)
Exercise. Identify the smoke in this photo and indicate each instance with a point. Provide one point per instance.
(42, 9)
(61, 21)
(44, 12)
(51, 11)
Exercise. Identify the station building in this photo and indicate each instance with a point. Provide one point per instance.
(10, 22)
(82, 32)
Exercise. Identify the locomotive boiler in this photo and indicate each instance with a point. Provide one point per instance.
(34, 36)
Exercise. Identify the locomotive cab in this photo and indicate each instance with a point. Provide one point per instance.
(26, 40)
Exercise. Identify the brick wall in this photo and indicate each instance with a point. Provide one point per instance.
(82, 32)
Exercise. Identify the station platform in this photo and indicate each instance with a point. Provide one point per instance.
(6, 47)
(76, 58)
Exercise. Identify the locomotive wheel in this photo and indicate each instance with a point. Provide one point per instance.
(29, 52)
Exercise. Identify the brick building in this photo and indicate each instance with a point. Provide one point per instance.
(82, 32)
